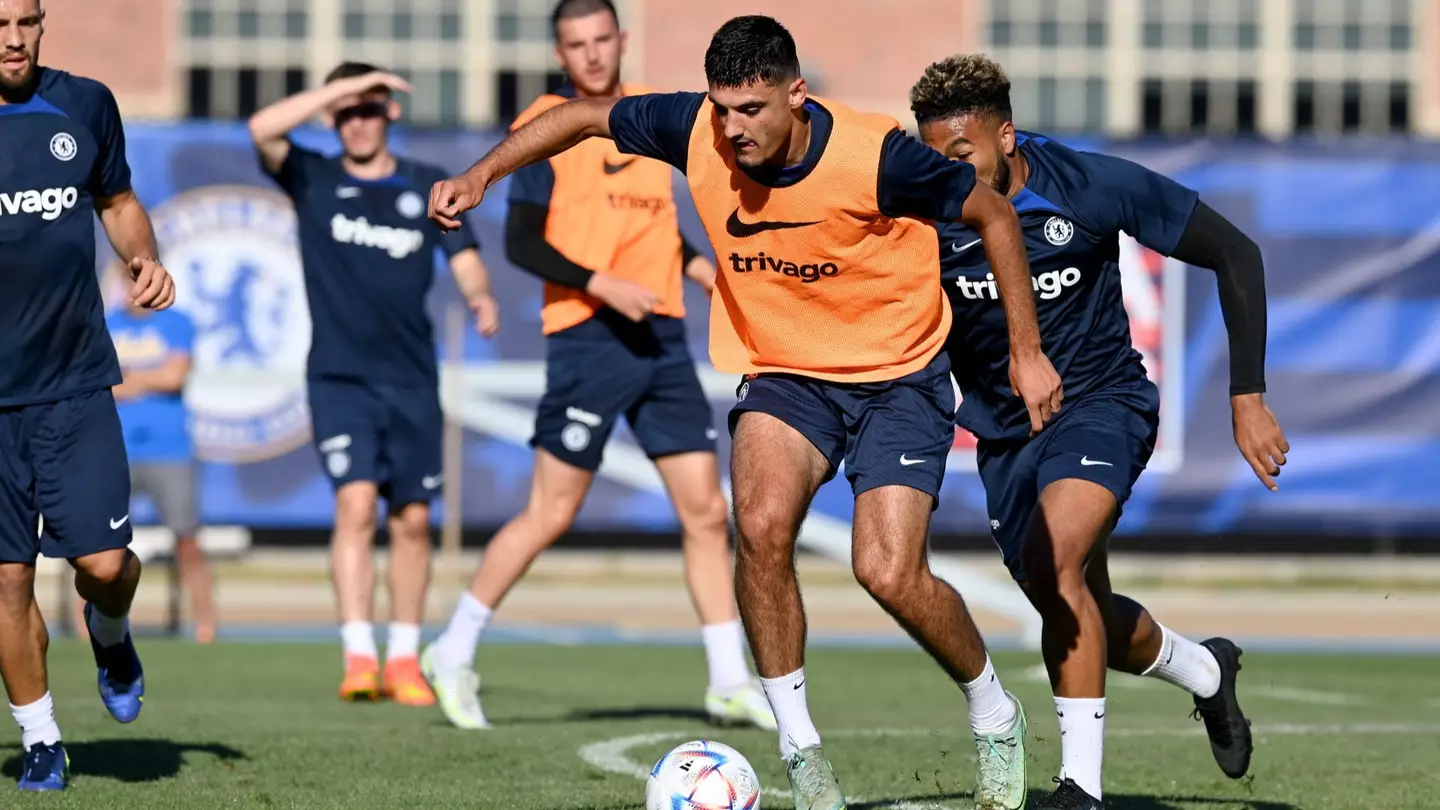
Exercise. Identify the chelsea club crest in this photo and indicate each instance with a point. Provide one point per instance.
(235, 257)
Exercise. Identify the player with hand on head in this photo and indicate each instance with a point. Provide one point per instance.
(1054, 498)
(601, 229)
(369, 260)
(828, 301)
(65, 467)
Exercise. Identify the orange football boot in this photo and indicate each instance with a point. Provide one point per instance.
(362, 679)
(405, 684)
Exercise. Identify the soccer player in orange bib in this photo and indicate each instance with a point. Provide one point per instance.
(600, 228)
(828, 301)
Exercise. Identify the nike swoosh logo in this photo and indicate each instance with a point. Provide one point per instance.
(740, 230)
(431, 481)
(798, 685)
(957, 248)
(115, 524)
(1099, 715)
(908, 461)
(616, 168)
(1086, 461)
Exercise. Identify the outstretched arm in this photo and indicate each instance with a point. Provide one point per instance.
(656, 125)
(551, 133)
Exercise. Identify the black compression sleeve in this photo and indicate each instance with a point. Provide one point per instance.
(687, 252)
(526, 248)
(1212, 242)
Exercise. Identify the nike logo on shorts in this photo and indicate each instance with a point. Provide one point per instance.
(116, 523)
(959, 248)
(909, 461)
(1086, 461)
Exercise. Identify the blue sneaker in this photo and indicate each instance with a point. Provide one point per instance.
(121, 678)
(46, 767)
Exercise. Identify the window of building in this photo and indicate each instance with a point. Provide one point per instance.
(238, 92)
(1304, 108)
(514, 90)
(1049, 23)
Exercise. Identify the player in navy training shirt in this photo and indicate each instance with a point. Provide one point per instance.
(369, 260)
(761, 143)
(1054, 497)
(64, 471)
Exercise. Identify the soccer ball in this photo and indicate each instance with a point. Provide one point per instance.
(702, 775)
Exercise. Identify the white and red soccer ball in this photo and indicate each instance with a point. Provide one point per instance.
(702, 775)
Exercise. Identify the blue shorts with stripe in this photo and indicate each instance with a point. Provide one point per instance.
(1106, 438)
(608, 367)
(64, 479)
(896, 432)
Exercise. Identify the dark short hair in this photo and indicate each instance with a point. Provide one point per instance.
(349, 70)
(575, 9)
(961, 85)
(751, 49)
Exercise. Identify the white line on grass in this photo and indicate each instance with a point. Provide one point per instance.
(1311, 696)
(613, 755)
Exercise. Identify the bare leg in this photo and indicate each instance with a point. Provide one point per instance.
(195, 576)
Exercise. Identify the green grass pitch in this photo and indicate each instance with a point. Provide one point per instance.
(258, 725)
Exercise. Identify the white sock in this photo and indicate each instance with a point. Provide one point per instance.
(404, 641)
(787, 699)
(991, 710)
(1185, 664)
(108, 631)
(725, 653)
(37, 722)
(359, 639)
(1082, 740)
(456, 646)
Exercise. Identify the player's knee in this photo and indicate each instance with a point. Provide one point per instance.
(706, 521)
(106, 567)
(885, 577)
(411, 525)
(355, 512)
(17, 587)
(553, 516)
(764, 533)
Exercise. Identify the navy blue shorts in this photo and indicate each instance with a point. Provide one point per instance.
(606, 367)
(895, 432)
(1105, 438)
(64, 479)
(387, 434)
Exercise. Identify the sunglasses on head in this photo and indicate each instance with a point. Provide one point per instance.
(365, 109)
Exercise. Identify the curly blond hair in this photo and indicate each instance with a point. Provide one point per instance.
(961, 85)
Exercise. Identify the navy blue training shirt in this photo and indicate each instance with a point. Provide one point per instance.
(1072, 210)
(369, 258)
(915, 180)
(59, 150)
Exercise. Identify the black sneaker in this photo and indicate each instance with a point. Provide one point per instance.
(1067, 796)
(1229, 731)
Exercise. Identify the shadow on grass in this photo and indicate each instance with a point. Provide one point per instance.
(126, 760)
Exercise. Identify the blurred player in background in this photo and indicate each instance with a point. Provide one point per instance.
(600, 228)
(154, 351)
(62, 452)
(1054, 498)
(828, 301)
(369, 260)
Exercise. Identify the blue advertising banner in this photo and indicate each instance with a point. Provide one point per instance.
(1351, 238)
